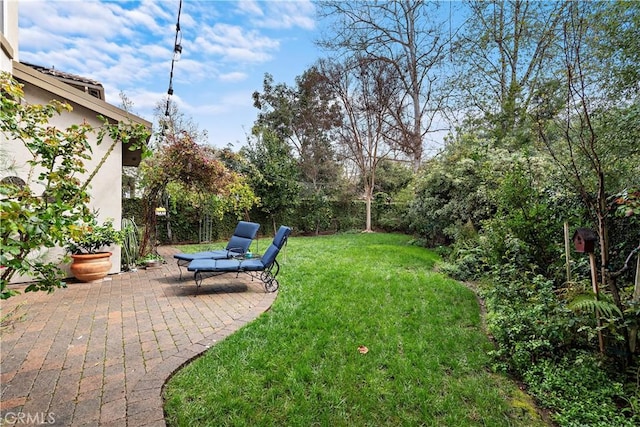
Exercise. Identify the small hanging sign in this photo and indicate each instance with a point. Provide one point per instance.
(161, 212)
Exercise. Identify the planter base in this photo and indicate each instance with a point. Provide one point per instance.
(91, 267)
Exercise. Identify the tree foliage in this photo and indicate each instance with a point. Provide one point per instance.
(363, 88)
(305, 116)
(188, 171)
(273, 174)
(595, 158)
(617, 48)
(453, 192)
(556, 141)
(503, 54)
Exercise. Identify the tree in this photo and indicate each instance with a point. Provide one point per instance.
(503, 54)
(618, 48)
(392, 178)
(186, 169)
(304, 116)
(273, 174)
(407, 37)
(172, 121)
(364, 87)
(191, 172)
(453, 190)
(590, 133)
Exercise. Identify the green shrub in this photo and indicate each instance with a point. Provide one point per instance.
(579, 391)
(316, 213)
(466, 263)
(91, 237)
(527, 320)
(33, 220)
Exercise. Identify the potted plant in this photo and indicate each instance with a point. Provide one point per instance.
(86, 244)
(152, 260)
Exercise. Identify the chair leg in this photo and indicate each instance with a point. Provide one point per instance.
(182, 263)
(268, 277)
(271, 285)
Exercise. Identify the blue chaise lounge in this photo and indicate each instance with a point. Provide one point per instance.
(238, 246)
(265, 268)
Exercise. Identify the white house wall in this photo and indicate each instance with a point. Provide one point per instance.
(8, 33)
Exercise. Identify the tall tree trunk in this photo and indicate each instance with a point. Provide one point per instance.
(367, 200)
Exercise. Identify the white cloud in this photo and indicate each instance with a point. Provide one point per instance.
(145, 99)
(234, 43)
(67, 17)
(250, 7)
(33, 38)
(235, 76)
(288, 14)
(189, 71)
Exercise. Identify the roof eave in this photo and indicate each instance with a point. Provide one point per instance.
(73, 95)
(70, 94)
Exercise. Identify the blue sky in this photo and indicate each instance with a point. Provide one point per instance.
(228, 46)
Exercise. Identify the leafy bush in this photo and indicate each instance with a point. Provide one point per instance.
(449, 193)
(315, 213)
(527, 320)
(91, 237)
(466, 263)
(579, 391)
(391, 216)
(31, 222)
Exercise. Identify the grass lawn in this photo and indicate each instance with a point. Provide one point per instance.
(300, 363)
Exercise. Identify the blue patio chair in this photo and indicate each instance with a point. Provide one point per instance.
(238, 246)
(265, 268)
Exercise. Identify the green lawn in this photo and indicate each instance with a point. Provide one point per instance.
(299, 364)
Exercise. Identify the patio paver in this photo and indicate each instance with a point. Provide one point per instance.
(99, 353)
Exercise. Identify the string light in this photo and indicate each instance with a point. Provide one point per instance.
(177, 52)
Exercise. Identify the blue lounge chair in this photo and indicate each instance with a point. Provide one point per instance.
(238, 246)
(265, 268)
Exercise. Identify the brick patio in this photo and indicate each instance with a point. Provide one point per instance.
(99, 353)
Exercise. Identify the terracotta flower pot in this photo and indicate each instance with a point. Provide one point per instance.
(90, 267)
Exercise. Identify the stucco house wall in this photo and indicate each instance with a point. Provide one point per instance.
(39, 88)
(8, 33)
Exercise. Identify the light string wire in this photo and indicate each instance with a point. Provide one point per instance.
(177, 51)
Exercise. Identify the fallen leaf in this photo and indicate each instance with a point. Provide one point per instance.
(363, 350)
